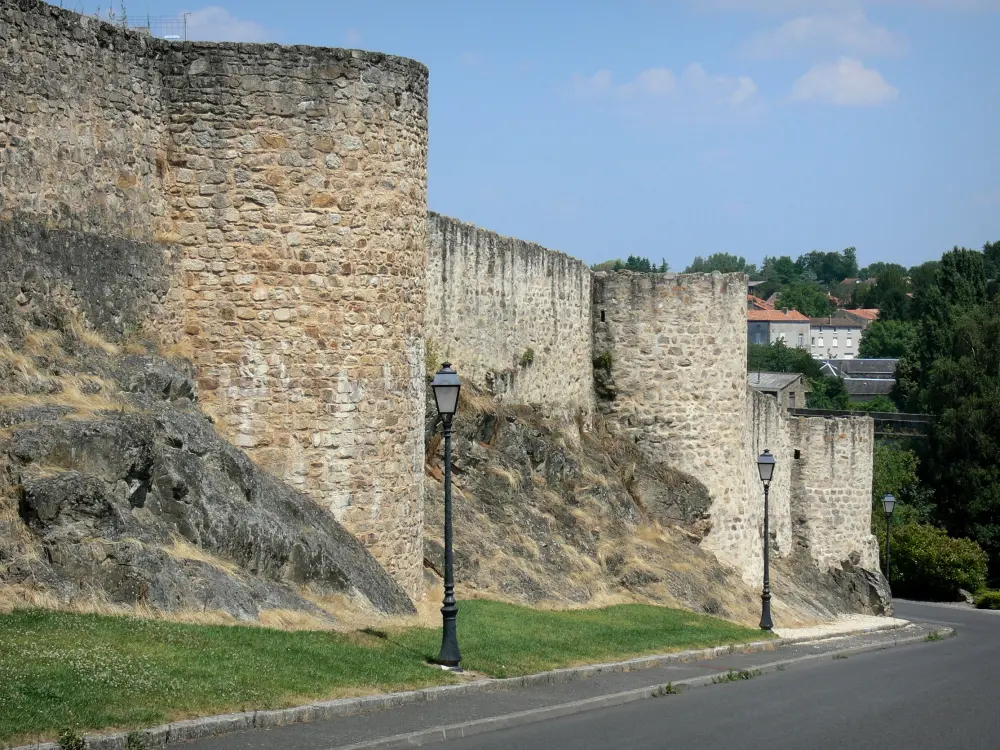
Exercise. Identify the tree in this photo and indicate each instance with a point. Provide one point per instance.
(609, 265)
(634, 263)
(781, 271)
(830, 268)
(828, 393)
(962, 277)
(880, 403)
(778, 357)
(888, 295)
(875, 270)
(923, 275)
(808, 299)
(723, 263)
(889, 339)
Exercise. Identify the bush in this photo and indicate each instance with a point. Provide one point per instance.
(928, 564)
(988, 600)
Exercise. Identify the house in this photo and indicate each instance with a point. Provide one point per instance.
(865, 315)
(835, 338)
(790, 388)
(769, 326)
(864, 378)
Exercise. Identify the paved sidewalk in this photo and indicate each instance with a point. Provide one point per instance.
(377, 729)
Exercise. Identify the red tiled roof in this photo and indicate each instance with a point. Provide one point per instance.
(868, 313)
(759, 304)
(777, 316)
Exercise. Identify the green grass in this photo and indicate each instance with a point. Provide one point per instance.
(91, 672)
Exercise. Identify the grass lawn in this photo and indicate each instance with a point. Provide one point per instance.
(91, 672)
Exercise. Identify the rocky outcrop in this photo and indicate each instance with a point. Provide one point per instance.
(147, 504)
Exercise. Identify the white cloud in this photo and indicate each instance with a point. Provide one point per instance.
(352, 37)
(842, 33)
(215, 24)
(846, 83)
(694, 83)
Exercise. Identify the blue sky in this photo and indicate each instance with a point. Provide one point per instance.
(674, 128)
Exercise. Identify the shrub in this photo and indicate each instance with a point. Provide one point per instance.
(928, 564)
(988, 600)
(70, 739)
(528, 357)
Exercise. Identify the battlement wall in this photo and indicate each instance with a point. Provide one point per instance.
(512, 316)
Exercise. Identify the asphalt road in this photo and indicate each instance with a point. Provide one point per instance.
(938, 695)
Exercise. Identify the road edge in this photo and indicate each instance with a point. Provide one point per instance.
(213, 726)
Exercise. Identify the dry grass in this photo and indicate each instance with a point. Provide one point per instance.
(71, 394)
(181, 549)
(79, 328)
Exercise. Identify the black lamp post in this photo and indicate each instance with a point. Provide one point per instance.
(765, 465)
(447, 385)
(888, 505)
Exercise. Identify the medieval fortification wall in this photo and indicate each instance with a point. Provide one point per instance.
(512, 316)
(265, 209)
(279, 197)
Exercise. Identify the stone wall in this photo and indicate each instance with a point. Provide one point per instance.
(674, 349)
(832, 480)
(291, 182)
(512, 316)
(297, 188)
(676, 346)
(81, 122)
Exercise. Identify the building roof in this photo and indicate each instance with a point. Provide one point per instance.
(868, 386)
(773, 381)
(842, 322)
(777, 316)
(882, 369)
(756, 303)
(868, 313)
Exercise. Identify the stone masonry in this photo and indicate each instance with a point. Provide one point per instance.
(512, 316)
(265, 209)
(289, 183)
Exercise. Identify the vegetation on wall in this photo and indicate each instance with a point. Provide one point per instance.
(634, 263)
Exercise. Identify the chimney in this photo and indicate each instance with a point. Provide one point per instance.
(784, 310)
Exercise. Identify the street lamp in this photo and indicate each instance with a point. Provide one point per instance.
(888, 505)
(447, 385)
(765, 465)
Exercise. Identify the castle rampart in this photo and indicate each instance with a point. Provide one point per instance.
(289, 183)
(512, 316)
(265, 208)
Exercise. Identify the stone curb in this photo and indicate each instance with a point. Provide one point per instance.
(211, 726)
(522, 718)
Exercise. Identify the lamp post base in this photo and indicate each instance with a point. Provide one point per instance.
(765, 615)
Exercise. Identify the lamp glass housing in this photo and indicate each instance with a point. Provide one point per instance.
(889, 504)
(446, 385)
(765, 465)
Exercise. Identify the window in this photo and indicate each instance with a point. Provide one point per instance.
(820, 341)
(602, 316)
(834, 342)
(781, 337)
(814, 341)
(849, 344)
(801, 339)
(791, 399)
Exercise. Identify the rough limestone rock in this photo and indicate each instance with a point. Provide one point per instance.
(149, 505)
(866, 590)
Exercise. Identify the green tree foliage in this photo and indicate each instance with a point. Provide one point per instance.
(781, 271)
(827, 392)
(962, 277)
(888, 294)
(889, 339)
(880, 404)
(829, 268)
(808, 298)
(923, 275)
(928, 564)
(875, 270)
(633, 263)
(778, 357)
(723, 263)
